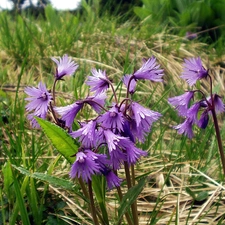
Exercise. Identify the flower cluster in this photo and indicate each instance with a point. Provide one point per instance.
(108, 140)
(196, 112)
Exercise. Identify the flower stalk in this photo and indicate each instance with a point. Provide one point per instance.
(92, 204)
(219, 140)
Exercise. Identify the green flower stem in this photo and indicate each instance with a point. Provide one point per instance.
(219, 140)
(92, 204)
(129, 184)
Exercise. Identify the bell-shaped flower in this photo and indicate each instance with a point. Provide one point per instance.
(129, 83)
(150, 70)
(65, 66)
(193, 70)
(39, 102)
(181, 102)
(113, 119)
(98, 82)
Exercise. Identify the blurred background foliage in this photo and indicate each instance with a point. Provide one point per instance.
(204, 17)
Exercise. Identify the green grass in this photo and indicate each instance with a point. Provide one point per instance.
(174, 163)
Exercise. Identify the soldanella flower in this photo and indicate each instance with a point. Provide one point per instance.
(97, 102)
(87, 134)
(65, 66)
(142, 120)
(99, 82)
(111, 178)
(150, 70)
(182, 102)
(196, 112)
(193, 70)
(131, 82)
(112, 119)
(69, 112)
(39, 101)
(204, 119)
(185, 128)
(218, 103)
(85, 166)
(117, 143)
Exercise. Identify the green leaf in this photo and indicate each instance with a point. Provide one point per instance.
(60, 139)
(202, 196)
(8, 177)
(129, 198)
(62, 183)
(20, 204)
(99, 187)
(190, 192)
(198, 196)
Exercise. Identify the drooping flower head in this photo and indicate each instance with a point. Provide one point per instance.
(113, 119)
(193, 70)
(111, 178)
(69, 112)
(97, 102)
(142, 120)
(185, 128)
(85, 166)
(182, 102)
(150, 70)
(87, 134)
(99, 82)
(65, 66)
(219, 105)
(132, 83)
(204, 119)
(122, 149)
(39, 101)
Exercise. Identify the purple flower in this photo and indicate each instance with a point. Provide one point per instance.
(100, 159)
(192, 112)
(86, 134)
(113, 119)
(193, 70)
(97, 101)
(65, 66)
(150, 70)
(127, 131)
(33, 121)
(134, 153)
(219, 106)
(122, 149)
(204, 119)
(85, 166)
(117, 156)
(111, 179)
(190, 36)
(69, 112)
(39, 101)
(185, 128)
(99, 82)
(132, 87)
(182, 102)
(142, 120)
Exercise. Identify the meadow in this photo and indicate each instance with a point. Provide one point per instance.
(184, 180)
